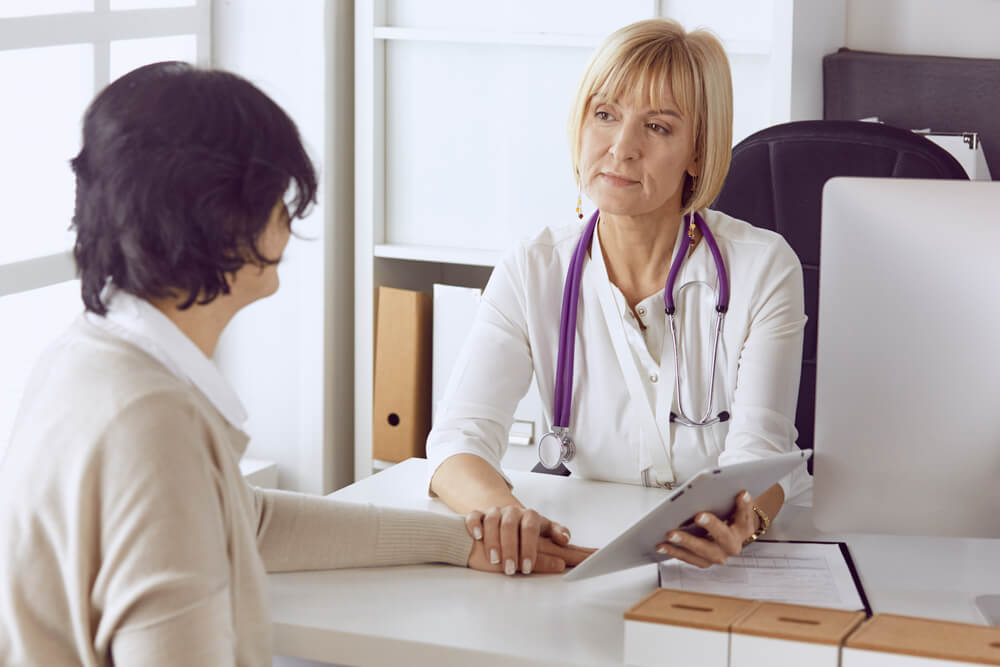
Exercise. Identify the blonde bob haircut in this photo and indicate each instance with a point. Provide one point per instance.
(649, 58)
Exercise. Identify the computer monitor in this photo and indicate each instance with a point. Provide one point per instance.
(907, 438)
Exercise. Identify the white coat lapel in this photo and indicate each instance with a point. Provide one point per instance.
(654, 448)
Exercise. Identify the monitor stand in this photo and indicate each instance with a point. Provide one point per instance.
(989, 606)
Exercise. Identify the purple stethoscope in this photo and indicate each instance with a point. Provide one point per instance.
(556, 447)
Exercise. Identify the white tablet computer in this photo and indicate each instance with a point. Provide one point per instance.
(711, 490)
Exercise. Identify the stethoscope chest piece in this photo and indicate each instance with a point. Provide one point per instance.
(555, 448)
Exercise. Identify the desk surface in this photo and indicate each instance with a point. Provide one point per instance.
(437, 614)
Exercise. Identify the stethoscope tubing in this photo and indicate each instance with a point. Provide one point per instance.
(563, 398)
(682, 417)
(722, 304)
(563, 393)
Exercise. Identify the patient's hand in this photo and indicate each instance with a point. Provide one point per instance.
(725, 538)
(512, 539)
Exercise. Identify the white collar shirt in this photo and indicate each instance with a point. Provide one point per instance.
(138, 322)
(623, 378)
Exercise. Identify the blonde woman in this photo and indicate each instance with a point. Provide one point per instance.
(642, 396)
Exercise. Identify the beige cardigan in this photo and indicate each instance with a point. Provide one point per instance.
(128, 535)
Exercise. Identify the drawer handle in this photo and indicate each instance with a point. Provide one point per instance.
(803, 621)
(689, 607)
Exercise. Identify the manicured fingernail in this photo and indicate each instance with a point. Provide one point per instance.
(675, 538)
(703, 520)
(509, 567)
(526, 566)
(661, 549)
(494, 557)
(746, 497)
(565, 533)
(477, 532)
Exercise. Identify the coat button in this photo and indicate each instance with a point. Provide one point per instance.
(641, 310)
(654, 378)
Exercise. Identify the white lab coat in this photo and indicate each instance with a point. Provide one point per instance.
(623, 393)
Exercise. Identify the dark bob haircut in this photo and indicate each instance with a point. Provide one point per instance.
(179, 172)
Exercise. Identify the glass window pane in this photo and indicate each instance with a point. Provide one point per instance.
(37, 318)
(149, 4)
(40, 134)
(9, 8)
(128, 54)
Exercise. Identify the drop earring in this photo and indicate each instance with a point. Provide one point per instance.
(579, 205)
(692, 228)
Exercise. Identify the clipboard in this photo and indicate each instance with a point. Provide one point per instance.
(848, 560)
(801, 572)
(711, 490)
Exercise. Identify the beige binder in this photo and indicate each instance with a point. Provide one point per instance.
(402, 391)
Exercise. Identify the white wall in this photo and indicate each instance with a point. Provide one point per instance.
(289, 356)
(962, 28)
(818, 27)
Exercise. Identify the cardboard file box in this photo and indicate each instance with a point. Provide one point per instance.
(402, 393)
(679, 628)
(887, 640)
(787, 634)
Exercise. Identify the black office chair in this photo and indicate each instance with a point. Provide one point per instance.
(776, 182)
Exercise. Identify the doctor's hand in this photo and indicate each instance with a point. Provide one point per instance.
(511, 539)
(724, 539)
(549, 559)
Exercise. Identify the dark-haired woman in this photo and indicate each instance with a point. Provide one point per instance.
(128, 534)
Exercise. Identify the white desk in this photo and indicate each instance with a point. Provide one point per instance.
(442, 615)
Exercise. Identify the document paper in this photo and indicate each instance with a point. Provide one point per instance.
(808, 573)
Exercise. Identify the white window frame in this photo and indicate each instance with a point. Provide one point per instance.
(99, 27)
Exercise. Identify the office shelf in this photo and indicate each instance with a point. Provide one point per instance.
(486, 37)
(439, 254)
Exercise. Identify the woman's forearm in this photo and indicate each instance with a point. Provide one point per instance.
(466, 482)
